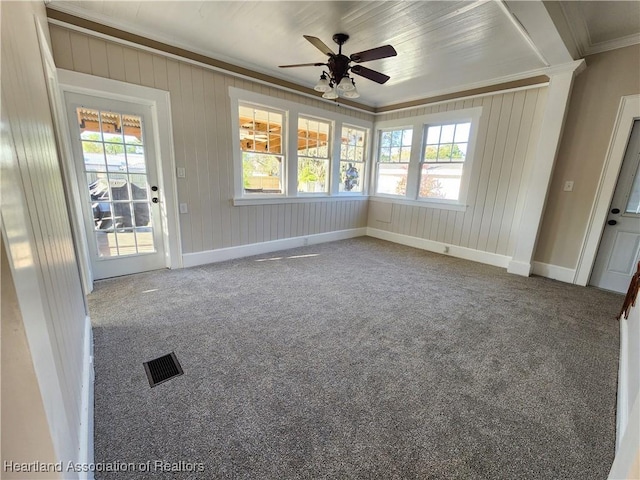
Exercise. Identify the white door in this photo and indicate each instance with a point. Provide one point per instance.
(619, 249)
(113, 148)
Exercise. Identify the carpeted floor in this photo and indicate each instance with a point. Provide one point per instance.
(358, 359)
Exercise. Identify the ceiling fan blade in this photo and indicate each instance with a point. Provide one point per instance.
(302, 65)
(319, 44)
(370, 74)
(374, 54)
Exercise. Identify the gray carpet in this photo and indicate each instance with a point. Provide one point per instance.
(356, 359)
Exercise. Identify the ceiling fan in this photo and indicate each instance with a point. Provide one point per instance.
(337, 80)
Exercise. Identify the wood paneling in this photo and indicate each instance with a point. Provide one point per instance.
(36, 226)
(200, 107)
(507, 137)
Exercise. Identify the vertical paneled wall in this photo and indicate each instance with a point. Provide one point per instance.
(37, 232)
(200, 107)
(507, 138)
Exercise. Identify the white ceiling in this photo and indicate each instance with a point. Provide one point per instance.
(442, 47)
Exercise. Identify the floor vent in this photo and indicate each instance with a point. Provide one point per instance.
(162, 369)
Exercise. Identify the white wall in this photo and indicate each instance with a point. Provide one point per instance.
(200, 108)
(37, 235)
(626, 464)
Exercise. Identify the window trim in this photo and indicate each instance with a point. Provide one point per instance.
(419, 125)
(292, 111)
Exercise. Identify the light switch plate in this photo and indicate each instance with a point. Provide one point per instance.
(183, 208)
(181, 172)
(568, 186)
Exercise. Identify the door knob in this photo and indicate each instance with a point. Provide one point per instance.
(155, 200)
(154, 188)
(615, 210)
(612, 222)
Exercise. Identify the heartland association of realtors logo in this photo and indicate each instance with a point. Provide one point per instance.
(148, 466)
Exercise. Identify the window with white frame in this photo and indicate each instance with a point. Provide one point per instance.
(262, 147)
(286, 152)
(313, 155)
(437, 170)
(442, 165)
(394, 156)
(352, 159)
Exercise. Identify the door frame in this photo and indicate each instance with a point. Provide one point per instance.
(159, 101)
(628, 112)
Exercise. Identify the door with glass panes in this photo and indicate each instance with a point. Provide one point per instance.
(113, 148)
(619, 250)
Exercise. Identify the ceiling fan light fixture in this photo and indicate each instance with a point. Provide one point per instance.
(351, 93)
(323, 84)
(345, 84)
(331, 94)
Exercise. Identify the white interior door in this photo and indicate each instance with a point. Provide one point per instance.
(619, 249)
(114, 155)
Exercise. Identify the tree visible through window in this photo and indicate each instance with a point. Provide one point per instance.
(394, 154)
(445, 152)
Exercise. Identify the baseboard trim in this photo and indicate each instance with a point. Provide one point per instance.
(85, 453)
(556, 272)
(230, 253)
(438, 247)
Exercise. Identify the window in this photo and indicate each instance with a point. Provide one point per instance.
(313, 155)
(288, 152)
(437, 170)
(394, 155)
(442, 164)
(352, 159)
(261, 144)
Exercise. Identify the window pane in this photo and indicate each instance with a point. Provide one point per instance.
(144, 239)
(385, 139)
(459, 152)
(396, 138)
(260, 130)
(440, 181)
(444, 153)
(141, 215)
(392, 178)
(138, 186)
(93, 154)
(446, 135)
(633, 205)
(312, 175)
(407, 136)
(431, 153)
(89, 123)
(313, 138)
(132, 129)
(350, 176)
(116, 159)
(433, 135)
(462, 132)
(111, 127)
(135, 161)
(261, 173)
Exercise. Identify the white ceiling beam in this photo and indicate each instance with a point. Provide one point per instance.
(537, 27)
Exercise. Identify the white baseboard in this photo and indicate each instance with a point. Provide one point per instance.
(222, 254)
(519, 268)
(85, 453)
(556, 272)
(439, 247)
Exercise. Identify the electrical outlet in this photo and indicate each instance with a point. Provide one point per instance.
(183, 208)
(182, 173)
(568, 186)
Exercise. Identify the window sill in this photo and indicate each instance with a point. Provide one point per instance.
(262, 200)
(442, 205)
